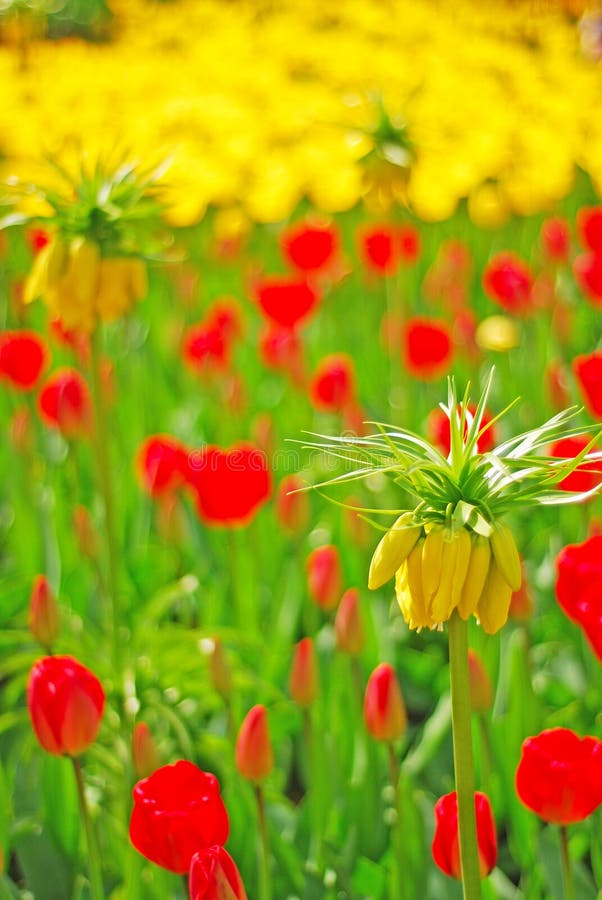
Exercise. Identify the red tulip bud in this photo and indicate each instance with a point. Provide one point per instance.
(254, 755)
(348, 625)
(303, 682)
(43, 613)
(292, 508)
(521, 602)
(144, 751)
(384, 710)
(481, 691)
(446, 845)
(324, 576)
(214, 876)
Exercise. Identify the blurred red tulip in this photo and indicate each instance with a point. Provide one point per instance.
(214, 876)
(427, 348)
(309, 248)
(145, 755)
(557, 384)
(206, 349)
(20, 430)
(77, 341)
(587, 269)
(521, 601)
(556, 240)
(348, 624)
(85, 532)
(409, 244)
(446, 844)
(579, 587)
(508, 281)
(438, 431)
(161, 464)
(254, 754)
(303, 679)
(324, 576)
(177, 811)
(378, 249)
(286, 300)
(229, 486)
(43, 612)
(481, 689)
(384, 710)
(332, 386)
(292, 504)
(64, 402)
(585, 477)
(282, 349)
(37, 238)
(559, 776)
(588, 372)
(23, 358)
(589, 227)
(66, 702)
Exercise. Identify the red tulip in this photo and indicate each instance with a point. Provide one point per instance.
(556, 240)
(588, 372)
(229, 486)
(206, 348)
(254, 754)
(282, 349)
(324, 576)
(579, 587)
(427, 348)
(177, 811)
(286, 300)
(64, 403)
(446, 845)
(348, 625)
(585, 477)
(559, 776)
(214, 876)
(481, 690)
(309, 248)
(378, 249)
(587, 269)
(37, 238)
(292, 504)
(303, 679)
(409, 244)
(43, 612)
(144, 751)
(508, 281)
(521, 601)
(384, 710)
(23, 358)
(439, 431)
(589, 227)
(332, 387)
(161, 464)
(66, 703)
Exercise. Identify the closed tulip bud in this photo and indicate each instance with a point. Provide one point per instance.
(219, 668)
(384, 710)
(86, 534)
(292, 507)
(348, 625)
(66, 702)
(145, 755)
(214, 876)
(324, 576)
(303, 682)
(481, 691)
(254, 754)
(43, 613)
(446, 845)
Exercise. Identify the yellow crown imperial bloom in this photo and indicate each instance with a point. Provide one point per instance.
(455, 551)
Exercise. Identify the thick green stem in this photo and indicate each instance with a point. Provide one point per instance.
(569, 887)
(463, 761)
(265, 879)
(94, 867)
(103, 462)
(397, 885)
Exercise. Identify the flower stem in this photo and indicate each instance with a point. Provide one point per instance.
(101, 448)
(569, 887)
(265, 881)
(397, 846)
(463, 760)
(95, 872)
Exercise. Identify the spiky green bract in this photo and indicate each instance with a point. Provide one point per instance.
(468, 488)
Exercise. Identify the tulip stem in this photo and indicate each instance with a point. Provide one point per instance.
(463, 758)
(95, 872)
(265, 881)
(397, 846)
(569, 887)
(101, 449)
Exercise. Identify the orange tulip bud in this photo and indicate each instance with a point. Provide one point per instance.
(384, 710)
(303, 682)
(144, 751)
(254, 755)
(481, 691)
(43, 612)
(324, 576)
(292, 509)
(521, 602)
(348, 625)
